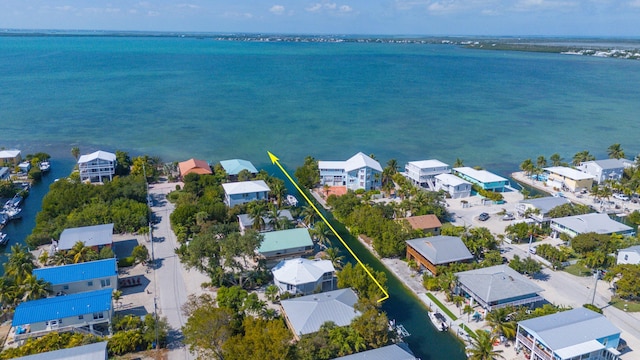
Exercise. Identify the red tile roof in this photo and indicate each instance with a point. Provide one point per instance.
(424, 222)
(194, 166)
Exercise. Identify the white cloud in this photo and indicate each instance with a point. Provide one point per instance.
(330, 8)
(277, 9)
(444, 6)
(152, 13)
(345, 9)
(187, 6)
(314, 7)
(65, 8)
(237, 15)
(634, 3)
(533, 5)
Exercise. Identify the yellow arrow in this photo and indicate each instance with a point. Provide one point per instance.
(275, 160)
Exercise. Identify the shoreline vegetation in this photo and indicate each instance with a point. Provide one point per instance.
(623, 48)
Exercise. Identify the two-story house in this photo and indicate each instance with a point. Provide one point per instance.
(359, 172)
(97, 166)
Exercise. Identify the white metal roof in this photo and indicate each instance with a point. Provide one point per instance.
(95, 351)
(545, 204)
(245, 187)
(594, 222)
(480, 175)
(432, 163)
(103, 155)
(399, 351)
(498, 282)
(579, 349)
(301, 271)
(91, 236)
(570, 173)
(607, 164)
(361, 160)
(451, 179)
(324, 164)
(6, 154)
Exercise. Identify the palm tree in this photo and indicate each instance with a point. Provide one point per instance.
(75, 151)
(556, 159)
(256, 211)
(541, 161)
(527, 166)
(278, 191)
(19, 263)
(615, 151)
(34, 288)
(81, 253)
(392, 165)
(333, 254)
(581, 157)
(117, 295)
(499, 324)
(271, 292)
(273, 215)
(458, 163)
(481, 347)
(308, 214)
(61, 258)
(322, 232)
(468, 309)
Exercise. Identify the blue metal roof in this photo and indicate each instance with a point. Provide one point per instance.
(234, 166)
(61, 307)
(67, 274)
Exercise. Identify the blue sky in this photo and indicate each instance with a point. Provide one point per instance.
(399, 17)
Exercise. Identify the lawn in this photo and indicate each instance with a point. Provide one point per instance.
(578, 270)
(442, 307)
(632, 306)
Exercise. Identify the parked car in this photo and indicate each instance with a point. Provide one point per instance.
(508, 217)
(483, 217)
(532, 249)
(622, 197)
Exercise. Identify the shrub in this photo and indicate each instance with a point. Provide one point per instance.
(126, 262)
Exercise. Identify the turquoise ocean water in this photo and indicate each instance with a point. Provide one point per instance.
(184, 97)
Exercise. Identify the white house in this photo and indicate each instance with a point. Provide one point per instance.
(569, 335)
(302, 276)
(608, 169)
(587, 223)
(422, 173)
(538, 208)
(630, 255)
(453, 185)
(76, 278)
(95, 351)
(97, 166)
(10, 157)
(359, 172)
(95, 236)
(245, 191)
(483, 178)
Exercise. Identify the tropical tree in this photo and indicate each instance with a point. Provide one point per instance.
(80, 253)
(527, 166)
(117, 295)
(468, 309)
(271, 292)
(581, 157)
(333, 254)
(321, 232)
(500, 323)
(20, 263)
(458, 163)
(615, 151)
(308, 214)
(75, 152)
(481, 347)
(256, 211)
(34, 288)
(278, 190)
(556, 159)
(541, 161)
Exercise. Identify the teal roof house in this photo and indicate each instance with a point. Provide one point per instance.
(63, 313)
(245, 191)
(75, 278)
(483, 178)
(285, 244)
(359, 172)
(234, 166)
(573, 334)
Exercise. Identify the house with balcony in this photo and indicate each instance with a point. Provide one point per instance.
(285, 244)
(194, 166)
(359, 172)
(428, 224)
(303, 276)
(568, 179)
(81, 277)
(95, 237)
(422, 173)
(589, 223)
(538, 208)
(453, 185)
(434, 251)
(483, 178)
(306, 314)
(85, 310)
(607, 169)
(630, 255)
(97, 167)
(579, 333)
(245, 191)
(10, 158)
(95, 351)
(498, 286)
(234, 166)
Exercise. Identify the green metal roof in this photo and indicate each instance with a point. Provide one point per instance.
(285, 239)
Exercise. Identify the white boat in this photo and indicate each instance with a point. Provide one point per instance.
(291, 200)
(44, 166)
(439, 321)
(4, 238)
(12, 213)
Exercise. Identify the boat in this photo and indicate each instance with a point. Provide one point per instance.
(13, 202)
(4, 219)
(291, 200)
(44, 166)
(398, 329)
(439, 321)
(4, 238)
(12, 213)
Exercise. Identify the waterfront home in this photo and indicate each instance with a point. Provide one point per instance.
(59, 313)
(302, 276)
(359, 172)
(97, 166)
(398, 351)
(430, 252)
(428, 224)
(498, 286)
(422, 173)
(10, 157)
(453, 185)
(5, 173)
(538, 208)
(245, 191)
(566, 178)
(285, 244)
(76, 278)
(24, 167)
(630, 255)
(483, 178)
(234, 166)
(589, 223)
(95, 237)
(246, 221)
(194, 166)
(608, 169)
(573, 334)
(306, 314)
(95, 351)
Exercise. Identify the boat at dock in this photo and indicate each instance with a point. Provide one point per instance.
(4, 238)
(291, 200)
(12, 213)
(439, 321)
(44, 166)
(398, 329)
(14, 202)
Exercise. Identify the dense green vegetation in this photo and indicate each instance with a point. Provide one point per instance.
(308, 174)
(18, 283)
(50, 342)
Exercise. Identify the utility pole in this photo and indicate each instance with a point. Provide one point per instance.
(597, 276)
